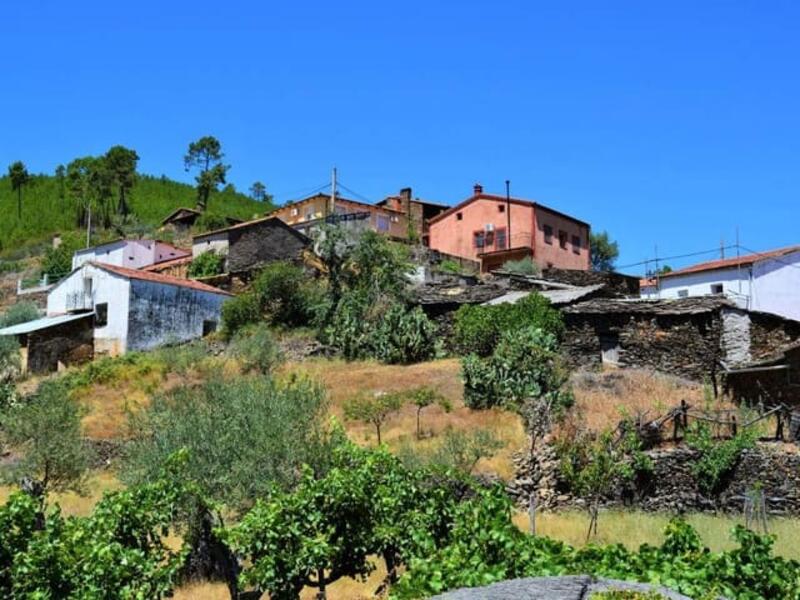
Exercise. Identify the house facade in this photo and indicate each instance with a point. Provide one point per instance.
(491, 229)
(419, 212)
(131, 254)
(766, 282)
(251, 245)
(137, 310)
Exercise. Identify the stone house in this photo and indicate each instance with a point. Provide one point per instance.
(250, 245)
(419, 212)
(102, 309)
(182, 219)
(492, 229)
(131, 254)
(696, 338)
(765, 281)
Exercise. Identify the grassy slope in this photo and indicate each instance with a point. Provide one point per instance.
(152, 199)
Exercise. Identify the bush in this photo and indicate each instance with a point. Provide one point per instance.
(523, 266)
(256, 349)
(478, 328)
(207, 264)
(717, 458)
(57, 262)
(286, 294)
(21, 312)
(525, 365)
(238, 312)
(209, 221)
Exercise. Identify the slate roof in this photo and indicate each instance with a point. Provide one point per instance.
(678, 306)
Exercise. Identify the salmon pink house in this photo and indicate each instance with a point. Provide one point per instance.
(493, 229)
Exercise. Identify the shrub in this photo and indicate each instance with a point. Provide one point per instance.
(57, 262)
(373, 409)
(207, 264)
(238, 312)
(478, 328)
(717, 458)
(403, 336)
(525, 365)
(210, 221)
(285, 294)
(256, 349)
(462, 450)
(523, 266)
(21, 312)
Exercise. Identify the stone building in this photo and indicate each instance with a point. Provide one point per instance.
(251, 245)
(696, 338)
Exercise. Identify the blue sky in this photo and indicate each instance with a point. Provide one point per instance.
(666, 123)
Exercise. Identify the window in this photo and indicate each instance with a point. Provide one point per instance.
(294, 212)
(101, 315)
(683, 293)
(479, 238)
(548, 234)
(382, 223)
(501, 208)
(459, 216)
(209, 327)
(395, 219)
(500, 239)
(562, 239)
(310, 215)
(716, 289)
(576, 244)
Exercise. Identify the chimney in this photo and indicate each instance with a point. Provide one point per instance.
(477, 189)
(405, 200)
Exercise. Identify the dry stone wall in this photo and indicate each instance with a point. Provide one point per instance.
(672, 486)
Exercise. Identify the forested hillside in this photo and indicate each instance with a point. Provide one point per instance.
(47, 208)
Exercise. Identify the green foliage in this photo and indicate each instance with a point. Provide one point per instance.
(717, 458)
(626, 595)
(373, 409)
(21, 312)
(256, 349)
(119, 551)
(525, 365)
(57, 262)
(238, 312)
(46, 429)
(121, 164)
(210, 221)
(604, 251)
(478, 328)
(462, 450)
(207, 264)
(206, 156)
(243, 437)
(523, 266)
(423, 397)
(365, 315)
(451, 266)
(484, 546)
(19, 177)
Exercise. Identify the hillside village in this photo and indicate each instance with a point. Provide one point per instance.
(541, 371)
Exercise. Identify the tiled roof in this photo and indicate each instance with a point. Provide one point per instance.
(495, 198)
(728, 263)
(160, 278)
(165, 264)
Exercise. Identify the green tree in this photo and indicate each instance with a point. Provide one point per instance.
(604, 251)
(61, 178)
(374, 409)
(121, 163)
(258, 191)
(462, 450)
(90, 187)
(46, 429)
(424, 397)
(206, 155)
(19, 177)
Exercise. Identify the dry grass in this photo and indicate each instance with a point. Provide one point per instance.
(633, 528)
(75, 504)
(346, 379)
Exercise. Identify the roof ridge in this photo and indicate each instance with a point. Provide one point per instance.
(158, 278)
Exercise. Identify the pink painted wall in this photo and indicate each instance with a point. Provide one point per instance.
(452, 235)
(571, 257)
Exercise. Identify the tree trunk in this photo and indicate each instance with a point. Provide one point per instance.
(209, 558)
(419, 433)
(322, 594)
(378, 430)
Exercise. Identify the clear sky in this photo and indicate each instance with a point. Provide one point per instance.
(666, 123)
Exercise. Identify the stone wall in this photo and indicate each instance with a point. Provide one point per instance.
(770, 333)
(616, 284)
(263, 242)
(686, 345)
(70, 343)
(672, 486)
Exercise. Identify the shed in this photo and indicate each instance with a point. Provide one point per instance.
(50, 343)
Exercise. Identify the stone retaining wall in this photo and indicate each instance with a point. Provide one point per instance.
(672, 486)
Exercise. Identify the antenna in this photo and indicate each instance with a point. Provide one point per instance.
(508, 214)
(739, 267)
(722, 248)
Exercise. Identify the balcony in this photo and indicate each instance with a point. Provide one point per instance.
(79, 301)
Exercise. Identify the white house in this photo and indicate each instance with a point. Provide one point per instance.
(765, 281)
(132, 254)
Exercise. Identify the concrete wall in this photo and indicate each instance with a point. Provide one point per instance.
(217, 242)
(162, 314)
(553, 255)
(776, 287)
(454, 235)
(133, 254)
(735, 284)
(114, 290)
(110, 254)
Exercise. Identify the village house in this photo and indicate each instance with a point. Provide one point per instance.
(309, 214)
(765, 281)
(131, 254)
(419, 212)
(493, 229)
(696, 338)
(250, 245)
(102, 309)
(182, 219)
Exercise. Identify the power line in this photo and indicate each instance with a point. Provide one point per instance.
(771, 257)
(354, 193)
(677, 256)
(302, 193)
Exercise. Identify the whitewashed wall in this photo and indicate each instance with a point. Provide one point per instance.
(110, 254)
(776, 286)
(217, 242)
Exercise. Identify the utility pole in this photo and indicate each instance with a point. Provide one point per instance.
(89, 226)
(508, 214)
(739, 267)
(722, 248)
(332, 207)
(658, 275)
